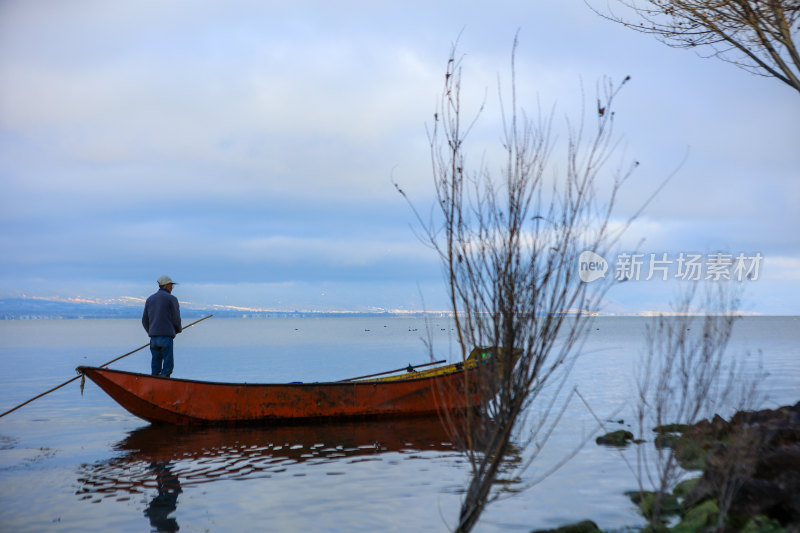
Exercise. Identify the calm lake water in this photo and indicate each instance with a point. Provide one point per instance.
(79, 462)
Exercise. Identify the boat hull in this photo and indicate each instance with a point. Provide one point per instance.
(179, 401)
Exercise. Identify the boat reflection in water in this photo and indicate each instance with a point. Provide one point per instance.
(165, 459)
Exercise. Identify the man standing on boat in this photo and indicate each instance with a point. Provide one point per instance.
(162, 321)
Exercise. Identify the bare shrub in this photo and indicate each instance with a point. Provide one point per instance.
(509, 245)
(685, 377)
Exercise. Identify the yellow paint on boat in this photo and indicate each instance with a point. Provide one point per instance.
(477, 356)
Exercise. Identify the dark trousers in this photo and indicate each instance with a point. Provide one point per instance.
(162, 361)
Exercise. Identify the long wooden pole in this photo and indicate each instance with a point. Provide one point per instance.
(103, 365)
(410, 368)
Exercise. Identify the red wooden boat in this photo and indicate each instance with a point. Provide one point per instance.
(184, 401)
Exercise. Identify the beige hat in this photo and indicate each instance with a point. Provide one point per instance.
(165, 280)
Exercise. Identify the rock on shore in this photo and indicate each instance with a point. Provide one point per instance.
(750, 472)
(751, 464)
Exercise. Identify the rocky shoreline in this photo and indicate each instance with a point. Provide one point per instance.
(750, 475)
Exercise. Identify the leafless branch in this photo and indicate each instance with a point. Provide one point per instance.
(759, 36)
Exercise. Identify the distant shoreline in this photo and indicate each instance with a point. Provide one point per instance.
(51, 309)
(193, 313)
(59, 309)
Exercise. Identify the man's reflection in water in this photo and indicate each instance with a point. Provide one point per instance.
(166, 501)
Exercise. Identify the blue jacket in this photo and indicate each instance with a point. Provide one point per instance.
(162, 315)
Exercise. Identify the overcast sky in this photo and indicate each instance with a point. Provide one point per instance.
(247, 149)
